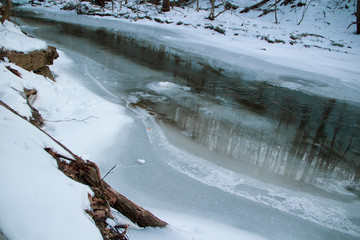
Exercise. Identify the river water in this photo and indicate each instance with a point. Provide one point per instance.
(241, 151)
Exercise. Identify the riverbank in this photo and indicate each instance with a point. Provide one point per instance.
(40, 198)
(324, 59)
(199, 199)
(37, 197)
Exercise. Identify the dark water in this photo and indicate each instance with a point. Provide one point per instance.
(305, 137)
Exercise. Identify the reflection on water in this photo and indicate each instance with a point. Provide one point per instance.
(288, 133)
(305, 137)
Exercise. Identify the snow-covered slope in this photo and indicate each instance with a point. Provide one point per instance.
(38, 201)
(323, 45)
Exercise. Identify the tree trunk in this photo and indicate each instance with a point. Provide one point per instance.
(166, 6)
(7, 13)
(137, 214)
(358, 18)
(276, 19)
(88, 173)
(212, 11)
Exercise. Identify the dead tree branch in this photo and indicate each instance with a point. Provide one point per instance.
(109, 172)
(72, 119)
(255, 6)
(56, 141)
(358, 17)
(306, 7)
(88, 173)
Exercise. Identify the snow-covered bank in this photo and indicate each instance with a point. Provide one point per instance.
(321, 54)
(40, 199)
(39, 202)
(11, 38)
(179, 181)
(37, 197)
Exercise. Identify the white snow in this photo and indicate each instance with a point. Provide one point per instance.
(141, 161)
(40, 202)
(166, 86)
(324, 53)
(12, 38)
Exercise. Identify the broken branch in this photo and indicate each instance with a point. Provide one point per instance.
(255, 6)
(108, 172)
(72, 119)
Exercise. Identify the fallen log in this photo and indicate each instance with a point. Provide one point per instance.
(137, 214)
(88, 173)
(255, 6)
(105, 196)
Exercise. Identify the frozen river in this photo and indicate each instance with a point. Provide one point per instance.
(210, 141)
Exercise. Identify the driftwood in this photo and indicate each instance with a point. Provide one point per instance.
(88, 173)
(105, 196)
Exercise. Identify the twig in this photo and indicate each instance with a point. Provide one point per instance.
(352, 24)
(220, 13)
(125, 226)
(57, 155)
(56, 141)
(305, 10)
(108, 172)
(72, 119)
(255, 6)
(179, 11)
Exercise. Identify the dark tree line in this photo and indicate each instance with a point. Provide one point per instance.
(274, 4)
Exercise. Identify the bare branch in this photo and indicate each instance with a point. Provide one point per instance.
(72, 119)
(109, 172)
(305, 10)
(255, 6)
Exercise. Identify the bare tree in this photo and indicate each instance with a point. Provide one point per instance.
(306, 7)
(276, 19)
(166, 6)
(7, 11)
(212, 15)
(358, 17)
(212, 10)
